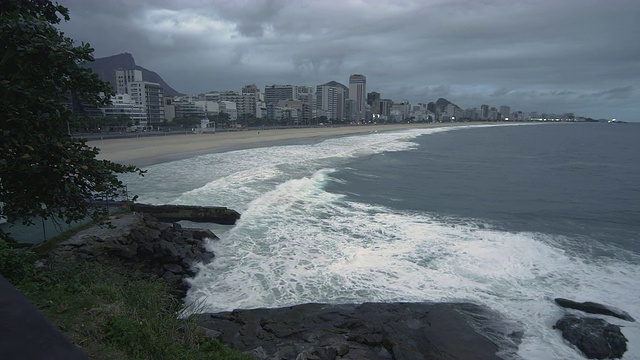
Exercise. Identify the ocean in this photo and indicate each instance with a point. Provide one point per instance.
(507, 216)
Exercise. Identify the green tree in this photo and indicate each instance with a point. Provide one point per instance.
(188, 121)
(44, 171)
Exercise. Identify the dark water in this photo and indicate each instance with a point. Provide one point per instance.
(507, 217)
(578, 180)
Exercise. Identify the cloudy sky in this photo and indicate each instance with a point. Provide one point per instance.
(580, 56)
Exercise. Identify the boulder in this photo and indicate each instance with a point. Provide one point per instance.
(596, 338)
(594, 308)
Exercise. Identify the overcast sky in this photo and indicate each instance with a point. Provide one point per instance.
(580, 56)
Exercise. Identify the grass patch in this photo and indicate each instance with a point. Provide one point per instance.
(109, 315)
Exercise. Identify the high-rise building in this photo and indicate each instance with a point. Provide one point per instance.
(384, 106)
(505, 111)
(357, 93)
(305, 96)
(484, 112)
(371, 97)
(245, 102)
(151, 97)
(250, 89)
(274, 93)
(124, 77)
(123, 104)
(330, 100)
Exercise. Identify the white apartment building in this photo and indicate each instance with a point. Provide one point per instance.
(330, 100)
(123, 104)
(246, 102)
(151, 97)
(229, 107)
(124, 77)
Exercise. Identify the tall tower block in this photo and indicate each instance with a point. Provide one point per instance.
(358, 93)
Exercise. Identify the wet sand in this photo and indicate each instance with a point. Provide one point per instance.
(146, 151)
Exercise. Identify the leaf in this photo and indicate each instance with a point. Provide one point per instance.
(40, 163)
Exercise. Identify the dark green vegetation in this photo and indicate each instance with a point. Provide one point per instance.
(44, 171)
(107, 314)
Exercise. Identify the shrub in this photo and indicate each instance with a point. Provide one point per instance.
(15, 265)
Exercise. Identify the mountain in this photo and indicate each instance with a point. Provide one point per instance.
(105, 67)
(442, 103)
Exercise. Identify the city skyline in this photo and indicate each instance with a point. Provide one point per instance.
(569, 56)
(333, 100)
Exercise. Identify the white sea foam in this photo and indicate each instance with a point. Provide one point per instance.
(234, 178)
(297, 243)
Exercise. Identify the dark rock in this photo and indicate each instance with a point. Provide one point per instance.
(207, 257)
(594, 308)
(596, 338)
(152, 234)
(137, 242)
(123, 240)
(177, 226)
(168, 234)
(212, 334)
(172, 279)
(171, 213)
(351, 331)
(201, 234)
(174, 268)
(258, 353)
(127, 252)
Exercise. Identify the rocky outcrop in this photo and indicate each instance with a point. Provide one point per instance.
(594, 308)
(352, 331)
(596, 338)
(138, 242)
(208, 214)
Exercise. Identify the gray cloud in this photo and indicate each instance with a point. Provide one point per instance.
(611, 94)
(549, 56)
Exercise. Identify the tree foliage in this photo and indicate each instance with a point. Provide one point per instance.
(187, 121)
(43, 170)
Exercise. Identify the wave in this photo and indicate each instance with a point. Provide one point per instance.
(234, 178)
(299, 243)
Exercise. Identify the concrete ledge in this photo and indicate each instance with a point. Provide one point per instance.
(171, 213)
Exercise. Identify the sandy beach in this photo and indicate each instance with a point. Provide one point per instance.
(146, 151)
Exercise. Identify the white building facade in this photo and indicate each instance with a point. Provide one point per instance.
(151, 97)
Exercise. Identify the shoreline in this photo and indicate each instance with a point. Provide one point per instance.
(152, 150)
